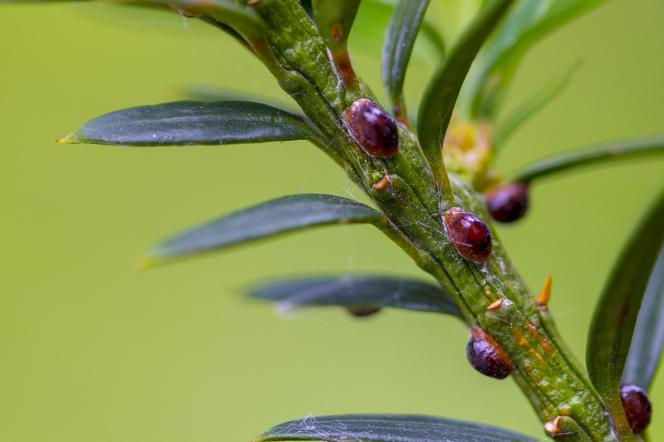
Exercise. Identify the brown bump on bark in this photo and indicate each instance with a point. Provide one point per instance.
(541, 339)
(382, 183)
(337, 33)
(495, 305)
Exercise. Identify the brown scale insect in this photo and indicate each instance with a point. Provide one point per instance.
(637, 407)
(508, 203)
(363, 311)
(468, 234)
(372, 128)
(487, 356)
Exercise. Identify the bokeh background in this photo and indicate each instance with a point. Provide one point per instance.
(94, 350)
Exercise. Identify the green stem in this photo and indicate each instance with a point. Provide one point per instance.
(544, 370)
(592, 155)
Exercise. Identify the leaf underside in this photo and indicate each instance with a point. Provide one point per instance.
(387, 428)
(193, 123)
(264, 220)
(645, 351)
(613, 323)
(356, 291)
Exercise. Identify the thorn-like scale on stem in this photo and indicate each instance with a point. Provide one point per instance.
(382, 183)
(552, 428)
(469, 235)
(507, 203)
(542, 300)
(637, 407)
(487, 356)
(495, 305)
(372, 128)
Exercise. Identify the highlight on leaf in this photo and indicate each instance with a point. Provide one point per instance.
(268, 219)
(387, 428)
(355, 291)
(614, 321)
(194, 123)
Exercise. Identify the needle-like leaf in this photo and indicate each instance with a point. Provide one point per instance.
(399, 41)
(194, 123)
(645, 351)
(387, 428)
(438, 102)
(271, 218)
(356, 291)
(617, 150)
(529, 108)
(236, 19)
(615, 316)
(528, 22)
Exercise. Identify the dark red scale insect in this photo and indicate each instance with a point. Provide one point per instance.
(372, 128)
(508, 203)
(468, 234)
(487, 356)
(636, 405)
(362, 311)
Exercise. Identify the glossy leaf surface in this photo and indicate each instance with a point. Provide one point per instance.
(387, 428)
(613, 323)
(593, 155)
(356, 291)
(192, 123)
(645, 352)
(264, 220)
(438, 102)
(399, 41)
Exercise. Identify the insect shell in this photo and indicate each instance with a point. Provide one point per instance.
(487, 356)
(469, 235)
(508, 203)
(637, 407)
(372, 128)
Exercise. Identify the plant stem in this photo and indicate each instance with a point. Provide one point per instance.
(544, 369)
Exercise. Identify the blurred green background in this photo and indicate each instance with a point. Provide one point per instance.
(94, 350)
